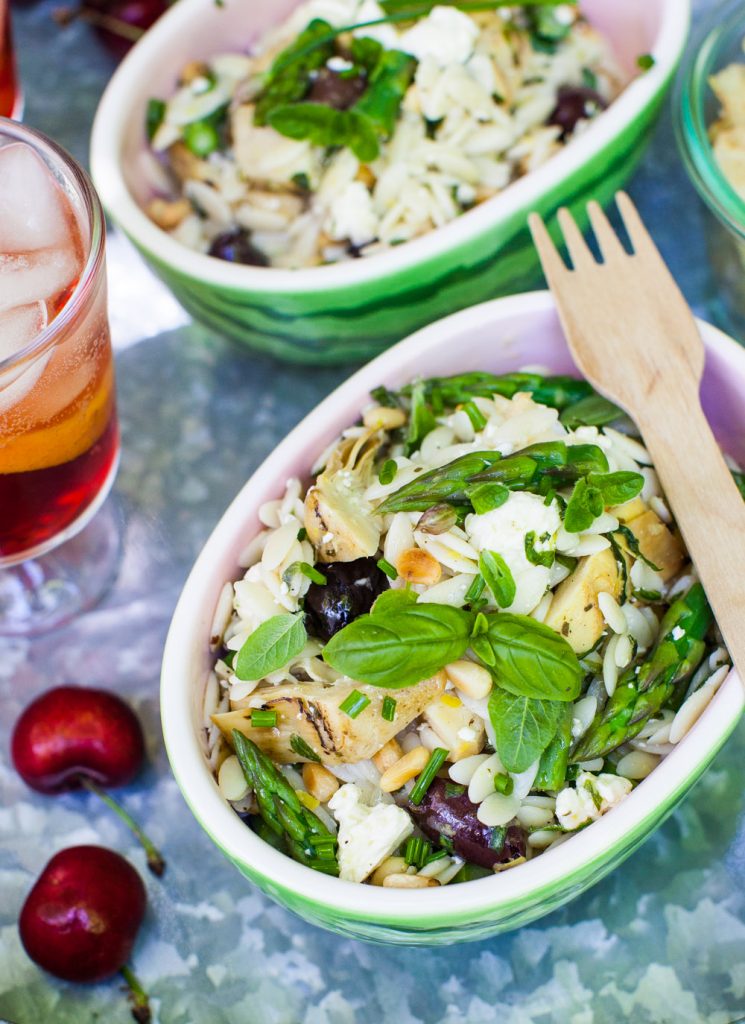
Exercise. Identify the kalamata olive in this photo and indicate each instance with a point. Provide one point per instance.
(350, 590)
(336, 90)
(236, 247)
(573, 103)
(446, 811)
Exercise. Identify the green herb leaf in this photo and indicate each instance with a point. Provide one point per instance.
(302, 749)
(592, 411)
(485, 497)
(388, 472)
(305, 569)
(154, 114)
(400, 646)
(523, 727)
(632, 544)
(499, 578)
(271, 646)
(585, 505)
(390, 570)
(287, 79)
(545, 558)
(391, 601)
(645, 61)
(324, 126)
(421, 421)
(616, 488)
(475, 415)
(531, 660)
(476, 589)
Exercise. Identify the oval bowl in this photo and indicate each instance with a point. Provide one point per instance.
(499, 336)
(350, 311)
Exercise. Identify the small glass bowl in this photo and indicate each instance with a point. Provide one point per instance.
(696, 108)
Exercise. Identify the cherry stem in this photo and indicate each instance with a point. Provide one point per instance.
(116, 26)
(155, 860)
(138, 997)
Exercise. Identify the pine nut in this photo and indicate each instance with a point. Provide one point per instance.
(407, 767)
(383, 418)
(390, 866)
(399, 880)
(167, 213)
(387, 756)
(468, 677)
(194, 69)
(319, 782)
(417, 566)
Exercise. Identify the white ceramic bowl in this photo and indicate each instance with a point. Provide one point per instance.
(498, 336)
(351, 310)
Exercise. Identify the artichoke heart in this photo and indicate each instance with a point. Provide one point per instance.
(311, 712)
(339, 521)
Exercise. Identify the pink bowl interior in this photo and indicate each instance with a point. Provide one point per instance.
(199, 31)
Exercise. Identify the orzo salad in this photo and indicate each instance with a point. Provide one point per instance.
(470, 637)
(356, 125)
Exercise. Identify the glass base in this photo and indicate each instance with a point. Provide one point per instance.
(43, 593)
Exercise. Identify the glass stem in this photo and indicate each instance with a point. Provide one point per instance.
(138, 997)
(155, 860)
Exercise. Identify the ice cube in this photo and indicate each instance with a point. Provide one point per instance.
(34, 211)
(28, 277)
(18, 327)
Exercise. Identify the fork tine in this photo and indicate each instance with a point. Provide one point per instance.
(575, 243)
(640, 237)
(606, 237)
(552, 263)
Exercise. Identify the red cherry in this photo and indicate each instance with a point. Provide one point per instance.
(74, 732)
(76, 737)
(81, 918)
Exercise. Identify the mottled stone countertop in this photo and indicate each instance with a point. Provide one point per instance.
(661, 941)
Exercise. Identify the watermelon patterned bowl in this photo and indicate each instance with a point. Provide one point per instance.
(350, 311)
(497, 336)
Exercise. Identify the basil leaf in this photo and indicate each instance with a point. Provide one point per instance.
(531, 660)
(288, 77)
(632, 544)
(523, 727)
(585, 505)
(400, 646)
(545, 558)
(421, 420)
(324, 126)
(481, 647)
(271, 646)
(499, 578)
(617, 488)
(485, 497)
(593, 411)
(392, 600)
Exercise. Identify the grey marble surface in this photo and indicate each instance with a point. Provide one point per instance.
(662, 941)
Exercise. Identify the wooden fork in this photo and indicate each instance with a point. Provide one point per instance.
(634, 338)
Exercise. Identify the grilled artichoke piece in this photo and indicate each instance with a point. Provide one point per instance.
(658, 543)
(340, 523)
(311, 712)
(574, 610)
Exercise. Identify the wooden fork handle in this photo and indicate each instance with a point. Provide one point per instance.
(709, 508)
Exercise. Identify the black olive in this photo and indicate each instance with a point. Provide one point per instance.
(349, 591)
(446, 811)
(336, 90)
(573, 103)
(236, 247)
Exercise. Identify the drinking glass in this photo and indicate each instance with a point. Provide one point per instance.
(59, 439)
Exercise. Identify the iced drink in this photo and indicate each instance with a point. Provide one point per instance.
(58, 429)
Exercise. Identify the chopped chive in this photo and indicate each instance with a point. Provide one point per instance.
(301, 748)
(388, 472)
(302, 534)
(432, 767)
(390, 570)
(589, 79)
(453, 789)
(354, 704)
(416, 851)
(435, 855)
(446, 843)
(305, 569)
(389, 709)
(475, 415)
(156, 111)
(503, 783)
(201, 138)
(263, 719)
(645, 61)
(476, 589)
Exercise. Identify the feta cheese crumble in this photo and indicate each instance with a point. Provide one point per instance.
(591, 797)
(367, 835)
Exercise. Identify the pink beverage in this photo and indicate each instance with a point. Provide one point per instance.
(58, 429)
(10, 98)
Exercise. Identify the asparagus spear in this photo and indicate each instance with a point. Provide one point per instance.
(306, 837)
(643, 689)
(558, 392)
(537, 467)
